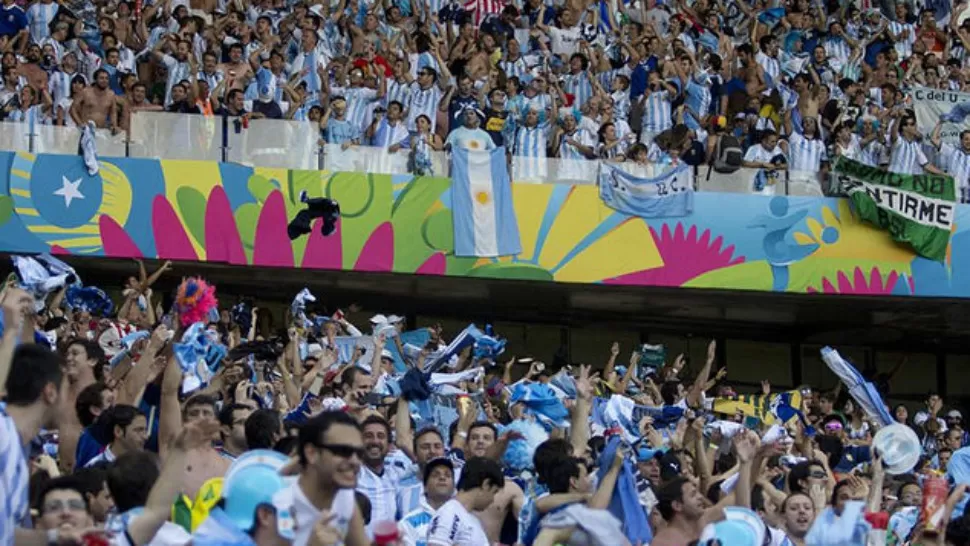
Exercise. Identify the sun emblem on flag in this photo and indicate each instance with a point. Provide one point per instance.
(482, 197)
(473, 144)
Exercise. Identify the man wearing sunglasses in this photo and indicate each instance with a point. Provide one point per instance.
(331, 448)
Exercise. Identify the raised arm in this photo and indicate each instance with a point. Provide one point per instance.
(696, 394)
(170, 413)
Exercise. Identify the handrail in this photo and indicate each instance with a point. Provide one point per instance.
(297, 145)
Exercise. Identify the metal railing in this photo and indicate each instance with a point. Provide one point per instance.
(297, 145)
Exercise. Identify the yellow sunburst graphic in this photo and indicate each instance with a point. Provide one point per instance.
(844, 236)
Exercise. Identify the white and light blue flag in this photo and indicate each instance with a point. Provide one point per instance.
(862, 391)
(482, 211)
(670, 194)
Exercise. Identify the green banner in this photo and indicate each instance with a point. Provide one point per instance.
(915, 209)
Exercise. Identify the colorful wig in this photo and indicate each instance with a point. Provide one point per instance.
(194, 300)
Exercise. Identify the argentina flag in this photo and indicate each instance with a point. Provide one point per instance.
(670, 194)
(483, 216)
(862, 391)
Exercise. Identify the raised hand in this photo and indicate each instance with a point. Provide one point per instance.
(584, 387)
(195, 434)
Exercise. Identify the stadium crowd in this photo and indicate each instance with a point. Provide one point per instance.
(172, 420)
(768, 85)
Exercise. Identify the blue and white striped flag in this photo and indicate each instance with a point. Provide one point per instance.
(482, 211)
(670, 194)
(862, 391)
(465, 338)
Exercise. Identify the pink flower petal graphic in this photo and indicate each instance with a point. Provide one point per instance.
(874, 284)
(378, 252)
(222, 242)
(685, 256)
(434, 265)
(58, 250)
(272, 245)
(115, 240)
(171, 241)
(323, 252)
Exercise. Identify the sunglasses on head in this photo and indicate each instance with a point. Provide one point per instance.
(833, 426)
(817, 474)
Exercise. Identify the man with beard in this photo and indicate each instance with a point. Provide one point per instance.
(379, 480)
(180, 67)
(36, 75)
(330, 451)
(97, 103)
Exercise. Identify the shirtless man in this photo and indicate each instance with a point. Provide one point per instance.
(136, 101)
(36, 76)
(237, 70)
(97, 103)
(751, 72)
(204, 463)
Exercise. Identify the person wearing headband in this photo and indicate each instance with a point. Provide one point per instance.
(470, 136)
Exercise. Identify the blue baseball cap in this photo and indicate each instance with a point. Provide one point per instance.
(645, 454)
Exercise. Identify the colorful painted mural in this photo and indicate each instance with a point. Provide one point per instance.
(186, 210)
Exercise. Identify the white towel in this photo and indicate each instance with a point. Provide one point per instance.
(89, 149)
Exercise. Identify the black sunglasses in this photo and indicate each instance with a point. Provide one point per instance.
(342, 450)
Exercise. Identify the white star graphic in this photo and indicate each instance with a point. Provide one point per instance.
(69, 191)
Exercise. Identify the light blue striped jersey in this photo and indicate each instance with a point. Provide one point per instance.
(400, 91)
(415, 524)
(177, 71)
(580, 87)
(14, 476)
(956, 162)
(771, 67)
(39, 18)
(907, 157)
(656, 111)
(568, 151)
(531, 141)
(423, 101)
(805, 154)
(837, 48)
(516, 68)
(358, 99)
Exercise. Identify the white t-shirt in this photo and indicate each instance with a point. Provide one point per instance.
(564, 41)
(299, 514)
(455, 526)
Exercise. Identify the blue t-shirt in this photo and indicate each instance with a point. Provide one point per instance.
(339, 131)
(12, 20)
(88, 447)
